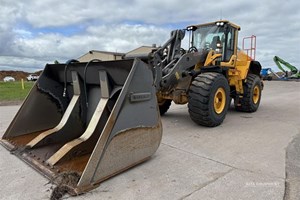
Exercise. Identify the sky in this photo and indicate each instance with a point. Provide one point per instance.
(33, 33)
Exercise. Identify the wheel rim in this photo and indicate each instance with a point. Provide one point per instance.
(256, 94)
(219, 101)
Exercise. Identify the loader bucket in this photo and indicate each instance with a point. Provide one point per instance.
(89, 121)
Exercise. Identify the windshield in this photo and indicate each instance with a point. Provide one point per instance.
(206, 37)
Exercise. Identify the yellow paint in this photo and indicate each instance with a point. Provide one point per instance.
(243, 64)
(238, 65)
(211, 58)
(235, 80)
(22, 83)
(230, 63)
(256, 94)
(198, 66)
(219, 100)
(177, 75)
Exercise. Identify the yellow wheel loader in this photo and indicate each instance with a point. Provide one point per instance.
(211, 73)
(90, 121)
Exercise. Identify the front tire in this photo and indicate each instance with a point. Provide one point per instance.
(252, 95)
(209, 99)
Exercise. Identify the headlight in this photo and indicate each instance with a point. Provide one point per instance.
(220, 23)
(191, 28)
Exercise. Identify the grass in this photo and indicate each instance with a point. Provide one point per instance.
(12, 91)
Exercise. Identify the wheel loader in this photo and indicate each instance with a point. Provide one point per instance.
(84, 122)
(208, 75)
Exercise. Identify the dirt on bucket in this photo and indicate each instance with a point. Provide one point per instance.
(64, 181)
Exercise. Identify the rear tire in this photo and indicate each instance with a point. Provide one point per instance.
(252, 95)
(164, 106)
(209, 99)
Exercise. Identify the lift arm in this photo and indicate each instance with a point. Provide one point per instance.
(278, 61)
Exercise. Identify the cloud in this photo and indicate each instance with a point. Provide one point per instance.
(32, 32)
(52, 46)
(21, 63)
(8, 15)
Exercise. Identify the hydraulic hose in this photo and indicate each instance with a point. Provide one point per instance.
(84, 80)
(65, 75)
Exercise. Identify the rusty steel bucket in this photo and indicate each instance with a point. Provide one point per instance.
(88, 121)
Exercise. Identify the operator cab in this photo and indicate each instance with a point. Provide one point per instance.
(219, 36)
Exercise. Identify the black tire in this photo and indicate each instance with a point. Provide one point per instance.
(252, 95)
(164, 106)
(205, 106)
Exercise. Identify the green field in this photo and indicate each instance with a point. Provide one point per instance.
(12, 91)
